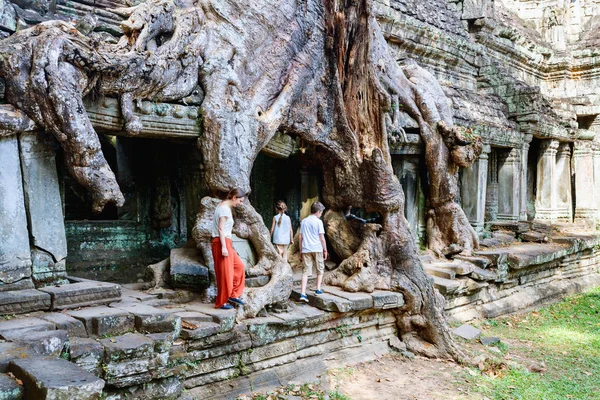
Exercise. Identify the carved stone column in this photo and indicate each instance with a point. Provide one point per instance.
(15, 258)
(473, 190)
(44, 207)
(545, 200)
(564, 206)
(583, 165)
(524, 176)
(509, 185)
(491, 198)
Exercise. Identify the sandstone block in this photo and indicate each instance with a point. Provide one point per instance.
(360, 301)
(163, 389)
(467, 332)
(9, 388)
(187, 271)
(203, 329)
(325, 301)
(151, 320)
(24, 325)
(65, 322)
(48, 343)
(55, 379)
(87, 354)
(128, 346)
(483, 274)
(387, 300)
(101, 321)
(225, 318)
(446, 286)
(82, 294)
(24, 301)
(23, 284)
(439, 272)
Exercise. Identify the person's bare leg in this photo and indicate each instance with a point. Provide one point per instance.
(304, 283)
(319, 280)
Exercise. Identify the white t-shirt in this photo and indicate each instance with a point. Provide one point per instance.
(310, 228)
(281, 233)
(222, 211)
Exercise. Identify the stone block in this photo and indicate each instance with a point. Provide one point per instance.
(187, 271)
(489, 340)
(65, 322)
(325, 301)
(535, 237)
(100, 321)
(24, 301)
(203, 329)
(87, 354)
(481, 262)
(23, 326)
(127, 347)
(467, 332)
(23, 284)
(162, 341)
(446, 286)
(82, 294)
(44, 270)
(483, 274)
(387, 300)
(152, 320)
(194, 317)
(458, 267)
(397, 344)
(9, 388)
(439, 272)
(10, 351)
(225, 318)
(360, 301)
(163, 389)
(57, 379)
(12, 273)
(48, 343)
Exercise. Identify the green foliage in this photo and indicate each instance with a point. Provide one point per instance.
(565, 336)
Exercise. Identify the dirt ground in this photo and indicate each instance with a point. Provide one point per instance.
(397, 378)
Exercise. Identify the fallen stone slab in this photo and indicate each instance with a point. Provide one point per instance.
(187, 271)
(446, 286)
(87, 354)
(385, 300)
(82, 294)
(24, 301)
(48, 378)
(21, 326)
(48, 343)
(100, 321)
(481, 262)
(397, 344)
(467, 332)
(9, 388)
(360, 301)
(489, 340)
(325, 301)
(483, 274)
(202, 330)
(65, 322)
(151, 320)
(439, 272)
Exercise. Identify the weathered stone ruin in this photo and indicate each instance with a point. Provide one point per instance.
(465, 129)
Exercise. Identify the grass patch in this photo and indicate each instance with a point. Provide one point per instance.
(561, 342)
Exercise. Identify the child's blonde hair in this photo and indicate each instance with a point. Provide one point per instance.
(281, 207)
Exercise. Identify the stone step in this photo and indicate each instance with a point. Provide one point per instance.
(9, 388)
(387, 300)
(481, 274)
(82, 294)
(101, 321)
(225, 318)
(86, 353)
(481, 262)
(149, 319)
(440, 272)
(45, 378)
(48, 343)
(457, 267)
(22, 326)
(325, 301)
(360, 301)
(65, 322)
(203, 329)
(24, 301)
(446, 286)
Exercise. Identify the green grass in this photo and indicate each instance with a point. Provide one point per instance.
(565, 336)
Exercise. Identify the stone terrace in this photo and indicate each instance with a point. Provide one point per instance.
(155, 345)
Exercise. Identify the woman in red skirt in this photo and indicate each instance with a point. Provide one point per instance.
(229, 268)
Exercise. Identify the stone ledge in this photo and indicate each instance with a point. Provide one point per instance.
(82, 294)
(24, 301)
